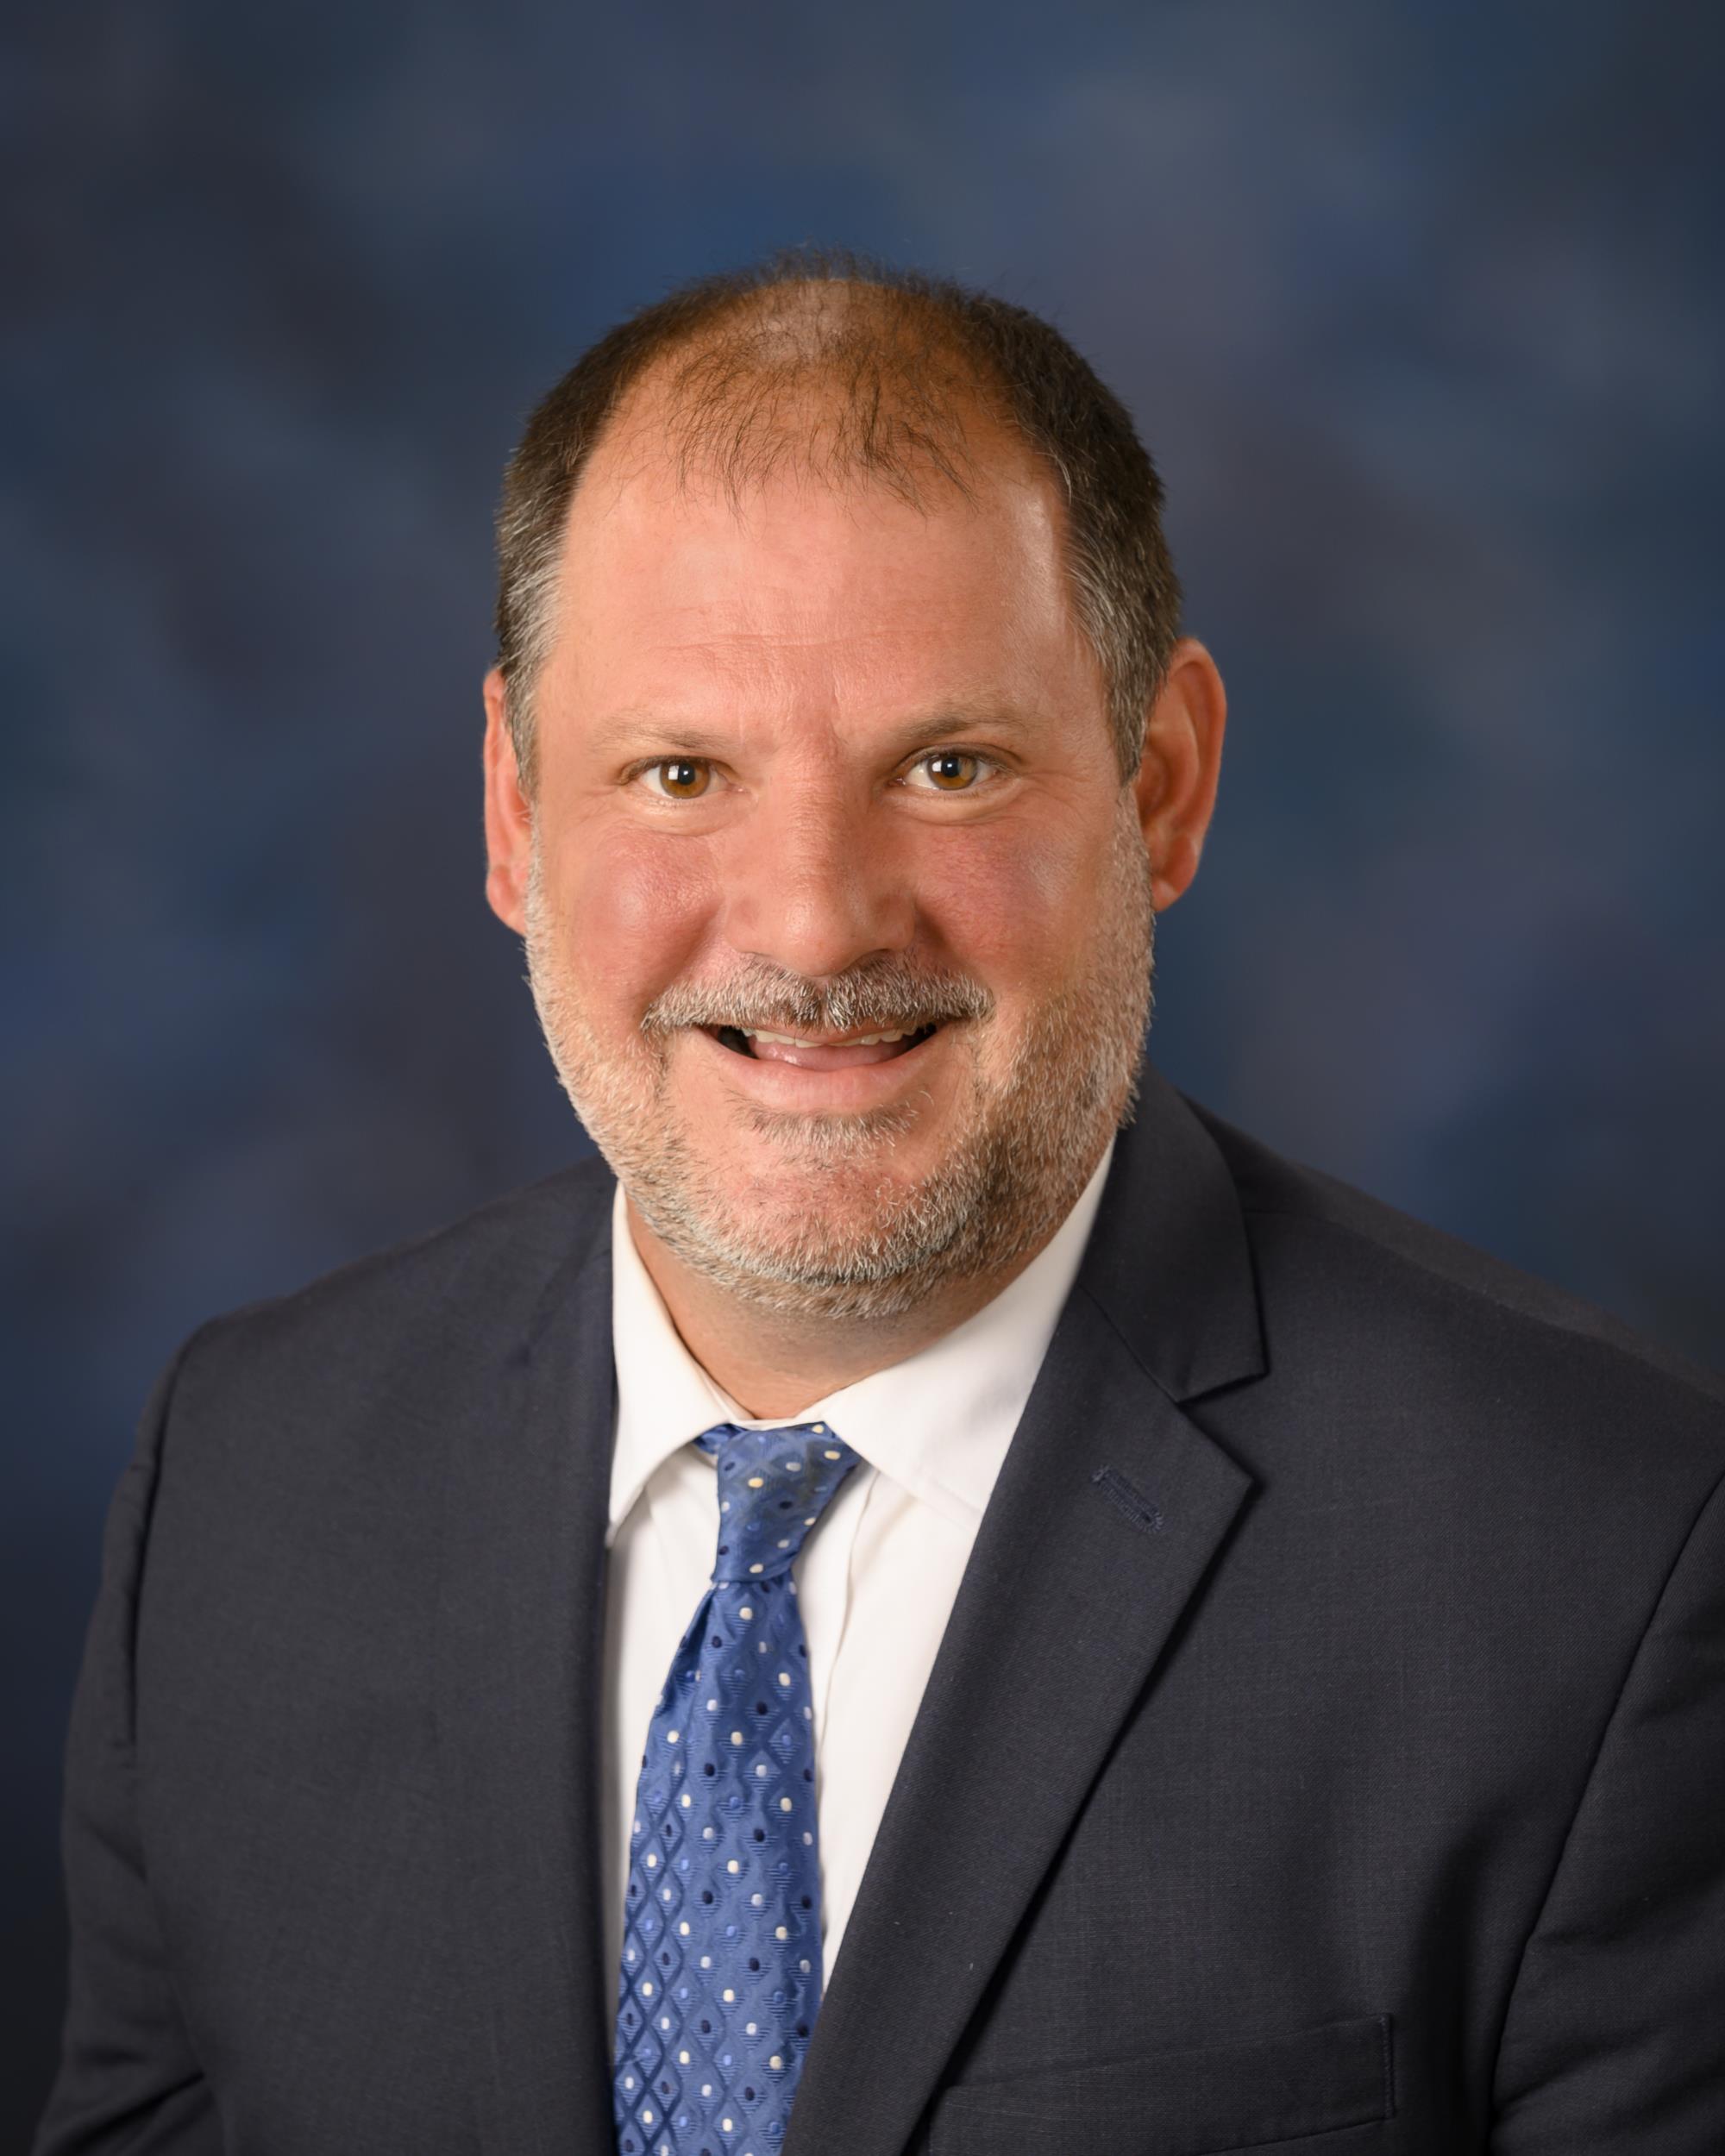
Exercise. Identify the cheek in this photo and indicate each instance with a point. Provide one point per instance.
(633, 910)
(1011, 903)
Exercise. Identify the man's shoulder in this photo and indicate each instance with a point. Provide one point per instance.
(468, 1284)
(1400, 1292)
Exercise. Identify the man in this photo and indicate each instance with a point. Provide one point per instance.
(1192, 1661)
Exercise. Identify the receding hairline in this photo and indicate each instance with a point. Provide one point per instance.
(836, 381)
(852, 370)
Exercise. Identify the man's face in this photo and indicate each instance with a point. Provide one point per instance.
(838, 920)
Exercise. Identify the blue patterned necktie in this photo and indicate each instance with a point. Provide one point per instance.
(721, 1929)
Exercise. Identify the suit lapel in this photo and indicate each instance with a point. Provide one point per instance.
(521, 1623)
(1110, 1508)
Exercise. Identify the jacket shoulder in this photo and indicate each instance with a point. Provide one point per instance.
(413, 1301)
(1414, 1280)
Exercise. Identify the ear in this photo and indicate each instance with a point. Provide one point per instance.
(508, 814)
(1176, 784)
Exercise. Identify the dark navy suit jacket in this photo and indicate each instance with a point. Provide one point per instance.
(1326, 1754)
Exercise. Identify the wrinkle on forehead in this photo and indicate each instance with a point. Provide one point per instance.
(801, 592)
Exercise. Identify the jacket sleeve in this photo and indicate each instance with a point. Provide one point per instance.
(128, 2080)
(1614, 2038)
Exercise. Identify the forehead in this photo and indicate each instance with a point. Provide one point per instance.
(807, 581)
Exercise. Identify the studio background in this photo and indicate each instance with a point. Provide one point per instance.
(1419, 311)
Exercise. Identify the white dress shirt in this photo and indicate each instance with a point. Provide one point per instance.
(876, 1578)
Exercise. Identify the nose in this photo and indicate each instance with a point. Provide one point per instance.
(813, 884)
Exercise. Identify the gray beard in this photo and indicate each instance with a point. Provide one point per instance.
(1027, 1144)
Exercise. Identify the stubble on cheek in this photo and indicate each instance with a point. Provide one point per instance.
(608, 1081)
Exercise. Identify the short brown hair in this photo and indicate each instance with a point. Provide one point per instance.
(897, 356)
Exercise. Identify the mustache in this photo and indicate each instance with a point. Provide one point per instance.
(884, 995)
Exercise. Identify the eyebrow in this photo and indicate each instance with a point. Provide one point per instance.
(646, 731)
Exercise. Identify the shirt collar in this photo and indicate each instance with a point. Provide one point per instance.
(938, 1423)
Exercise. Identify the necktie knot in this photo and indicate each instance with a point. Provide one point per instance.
(772, 1486)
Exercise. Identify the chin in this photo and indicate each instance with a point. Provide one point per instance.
(852, 1230)
(828, 1182)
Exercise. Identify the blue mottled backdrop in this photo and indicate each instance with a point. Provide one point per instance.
(1420, 309)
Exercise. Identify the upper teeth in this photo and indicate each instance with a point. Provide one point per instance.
(862, 1040)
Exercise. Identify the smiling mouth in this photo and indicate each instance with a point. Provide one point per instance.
(760, 1045)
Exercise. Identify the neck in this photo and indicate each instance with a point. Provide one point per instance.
(775, 1364)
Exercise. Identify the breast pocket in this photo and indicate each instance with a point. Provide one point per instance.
(1207, 2102)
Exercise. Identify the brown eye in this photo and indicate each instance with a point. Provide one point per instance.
(681, 778)
(951, 770)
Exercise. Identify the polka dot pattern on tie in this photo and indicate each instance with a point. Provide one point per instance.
(721, 1976)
